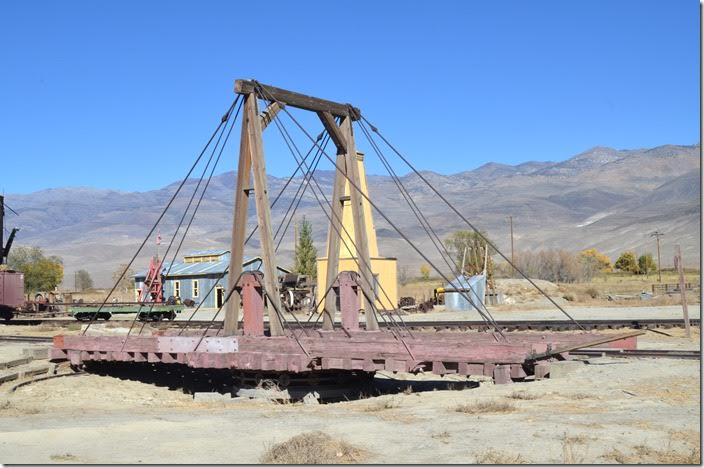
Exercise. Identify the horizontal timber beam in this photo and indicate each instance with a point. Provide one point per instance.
(300, 101)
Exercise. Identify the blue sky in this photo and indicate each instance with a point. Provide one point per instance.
(124, 94)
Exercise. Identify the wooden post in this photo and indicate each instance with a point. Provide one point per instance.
(360, 227)
(346, 286)
(334, 236)
(250, 288)
(680, 269)
(261, 199)
(513, 260)
(239, 224)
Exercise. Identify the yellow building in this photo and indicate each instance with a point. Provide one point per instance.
(384, 268)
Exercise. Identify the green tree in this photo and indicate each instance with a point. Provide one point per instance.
(646, 264)
(41, 273)
(83, 280)
(627, 262)
(474, 245)
(306, 253)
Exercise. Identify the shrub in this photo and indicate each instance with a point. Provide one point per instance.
(592, 292)
(485, 407)
(313, 448)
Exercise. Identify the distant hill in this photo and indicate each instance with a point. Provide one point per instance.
(604, 198)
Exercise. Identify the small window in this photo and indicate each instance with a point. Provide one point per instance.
(177, 288)
(195, 288)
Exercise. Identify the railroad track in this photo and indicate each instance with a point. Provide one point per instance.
(642, 353)
(26, 339)
(428, 325)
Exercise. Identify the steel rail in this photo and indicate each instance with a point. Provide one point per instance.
(27, 339)
(438, 325)
(639, 353)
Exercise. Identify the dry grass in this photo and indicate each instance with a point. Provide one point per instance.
(687, 451)
(485, 407)
(443, 436)
(13, 408)
(313, 448)
(646, 455)
(383, 404)
(494, 457)
(579, 396)
(574, 449)
(64, 457)
(522, 396)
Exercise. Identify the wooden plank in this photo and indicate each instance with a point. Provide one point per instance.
(298, 100)
(261, 198)
(335, 133)
(239, 225)
(680, 269)
(360, 227)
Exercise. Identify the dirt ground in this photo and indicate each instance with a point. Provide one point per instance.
(608, 410)
(624, 290)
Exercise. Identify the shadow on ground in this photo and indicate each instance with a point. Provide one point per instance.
(330, 386)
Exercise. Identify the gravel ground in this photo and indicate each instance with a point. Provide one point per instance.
(610, 404)
(607, 410)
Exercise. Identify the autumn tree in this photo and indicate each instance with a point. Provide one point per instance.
(403, 276)
(306, 253)
(425, 272)
(83, 280)
(593, 262)
(601, 260)
(124, 282)
(646, 264)
(468, 250)
(41, 273)
(627, 262)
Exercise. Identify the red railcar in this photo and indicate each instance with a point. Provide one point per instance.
(11, 292)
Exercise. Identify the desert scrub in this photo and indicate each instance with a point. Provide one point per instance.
(313, 448)
(485, 407)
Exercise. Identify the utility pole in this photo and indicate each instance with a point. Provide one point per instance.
(513, 261)
(657, 235)
(679, 265)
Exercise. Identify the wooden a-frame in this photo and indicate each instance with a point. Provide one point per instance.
(251, 166)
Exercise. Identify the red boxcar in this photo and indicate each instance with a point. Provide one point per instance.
(11, 290)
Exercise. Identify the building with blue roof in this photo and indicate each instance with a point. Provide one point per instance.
(199, 271)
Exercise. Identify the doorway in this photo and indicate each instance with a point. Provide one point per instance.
(219, 296)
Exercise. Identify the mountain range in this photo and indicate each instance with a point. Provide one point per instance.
(603, 198)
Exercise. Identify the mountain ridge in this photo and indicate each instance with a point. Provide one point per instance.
(604, 198)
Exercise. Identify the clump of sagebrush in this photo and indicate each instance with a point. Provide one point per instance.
(313, 448)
